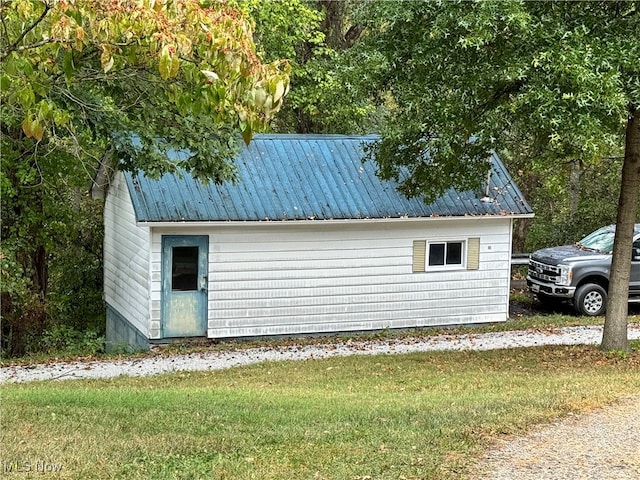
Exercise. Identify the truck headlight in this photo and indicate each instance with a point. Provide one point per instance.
(565, 275)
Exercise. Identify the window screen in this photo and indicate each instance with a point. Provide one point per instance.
(184, 269)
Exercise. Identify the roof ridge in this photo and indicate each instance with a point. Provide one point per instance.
(317, 136)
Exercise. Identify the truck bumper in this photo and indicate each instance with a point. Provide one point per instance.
(550, 289)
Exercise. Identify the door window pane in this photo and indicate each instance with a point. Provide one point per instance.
(184, 269)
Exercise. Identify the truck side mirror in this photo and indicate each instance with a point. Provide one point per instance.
(635, 254)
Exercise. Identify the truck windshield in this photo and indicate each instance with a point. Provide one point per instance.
(600, 240)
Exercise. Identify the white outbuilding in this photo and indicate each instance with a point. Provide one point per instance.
(309, 240)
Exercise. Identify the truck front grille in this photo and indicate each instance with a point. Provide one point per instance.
(543, 272)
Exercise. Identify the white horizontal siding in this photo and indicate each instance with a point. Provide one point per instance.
(378, 283)
(363, 321)
(126, 258)
(350, 285)
(352, 297)
(325, 277)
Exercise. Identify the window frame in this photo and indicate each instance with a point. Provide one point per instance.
(446, 266)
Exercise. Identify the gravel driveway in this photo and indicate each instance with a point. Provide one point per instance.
(603, 445)
(216, 360)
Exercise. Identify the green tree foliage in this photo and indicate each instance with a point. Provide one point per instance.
(319, 40)
(559, 80)
(79, 78)
(170, 71)
(570, 202)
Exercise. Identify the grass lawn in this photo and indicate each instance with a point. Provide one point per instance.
(423, 415)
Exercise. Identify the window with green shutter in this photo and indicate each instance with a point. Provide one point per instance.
(446, 255)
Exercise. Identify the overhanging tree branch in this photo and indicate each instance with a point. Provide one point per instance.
(14, 46)
(504, 92)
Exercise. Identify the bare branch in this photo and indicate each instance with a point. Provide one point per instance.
(77, 101)
(39, 44)
(4, 25)
(14, 46)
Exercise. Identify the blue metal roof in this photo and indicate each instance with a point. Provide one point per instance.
(308, 177)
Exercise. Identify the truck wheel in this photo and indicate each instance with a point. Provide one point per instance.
(590, 299)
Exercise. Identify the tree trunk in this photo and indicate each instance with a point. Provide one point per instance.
(574, 189)
(615, 325)
(529, 183)
(333, 22)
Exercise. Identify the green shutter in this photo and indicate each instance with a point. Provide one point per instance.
(419, 255)
(473, 254)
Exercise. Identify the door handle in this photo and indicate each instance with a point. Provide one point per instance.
(203, 283)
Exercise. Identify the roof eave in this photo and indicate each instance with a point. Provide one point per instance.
(254, 223)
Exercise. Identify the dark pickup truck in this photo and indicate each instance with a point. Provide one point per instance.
(580, 272)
